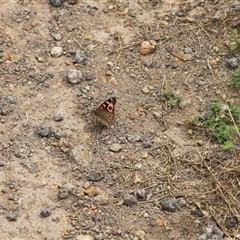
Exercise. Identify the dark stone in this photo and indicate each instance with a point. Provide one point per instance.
(169, 204)
(45, 212)
(174, 65)
(140, 194)
(12, 216)
(56, 3)
(43, 131)
(129, 200)
(89, 76)
(232, 63)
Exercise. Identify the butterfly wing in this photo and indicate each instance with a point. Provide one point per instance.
(103, 119)
(105, 112)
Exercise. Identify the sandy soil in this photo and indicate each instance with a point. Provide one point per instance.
(63, 175)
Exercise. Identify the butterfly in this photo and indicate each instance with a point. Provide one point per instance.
(105, 112)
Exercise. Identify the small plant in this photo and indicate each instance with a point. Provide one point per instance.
(235, 81)
(215, 107)
(220, 123)
(234, 39)
(169, 98)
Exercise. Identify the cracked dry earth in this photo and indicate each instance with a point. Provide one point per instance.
(63, 175)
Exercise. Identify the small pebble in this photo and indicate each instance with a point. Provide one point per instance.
(92, 191)
(146, 215)
(57, 36)
(182, 202)
(11, 99)
(185, 103)
(115, 147)
(146, 48)
(60, 134)
(133, 138)
(12, 216)
(40, 59)
(190, 131)
(187, 50)
(169, 204)
(158, 115)
(122, 139)
(140, 194)
(145, 90)
(223, 96)
(84, 237)
(58, 117)
(87, 88)
(94, 176)
(89, 76)
(63, 193)
(146, 142)
(232, 63)
(45, 212)
(186, 57)
(79, 57)
(86, 185)
(110, 64)
(129, 200)
(43, 131)
(159, 222)
(56, 3)
(56, 51)
(174, 65)
(215, 49)
(119, 193)
(108, 73)
(6, 109)
(34, 23)
(74, 76)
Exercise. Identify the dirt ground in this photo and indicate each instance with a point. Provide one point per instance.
(151, 175)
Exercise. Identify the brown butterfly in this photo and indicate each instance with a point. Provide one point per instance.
(105, 112)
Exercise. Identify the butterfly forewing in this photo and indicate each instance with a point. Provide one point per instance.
(105, 112)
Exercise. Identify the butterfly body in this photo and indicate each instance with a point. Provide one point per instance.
(105, 112)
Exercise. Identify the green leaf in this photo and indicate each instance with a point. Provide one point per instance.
(197, 121)
(235, 31)
(228, 144)
(214, 106)
(233, 47)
